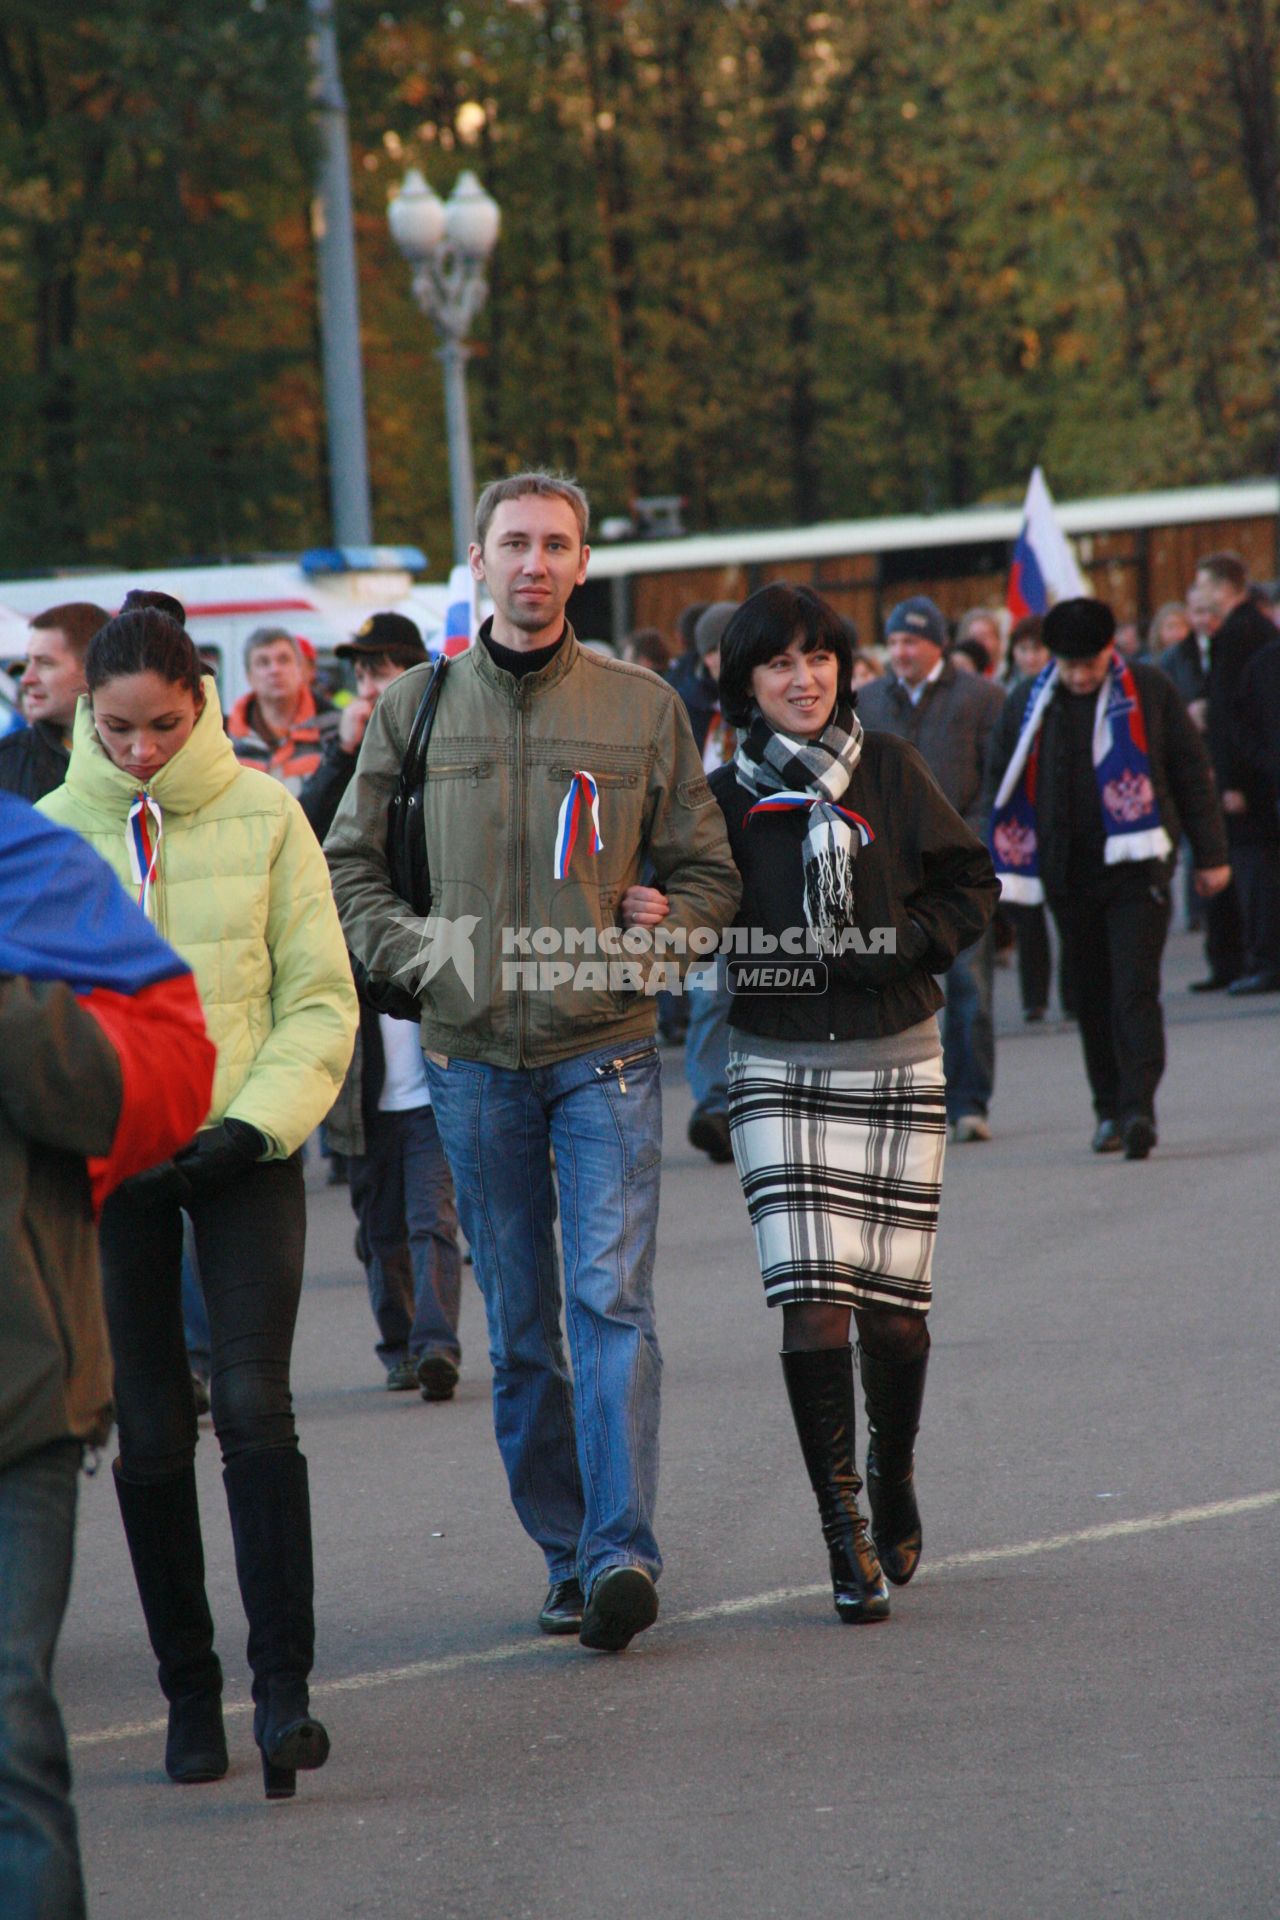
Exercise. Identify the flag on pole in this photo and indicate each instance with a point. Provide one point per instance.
(1044, 567)
(460, 619)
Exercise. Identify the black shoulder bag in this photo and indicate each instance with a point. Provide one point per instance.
(408, 863)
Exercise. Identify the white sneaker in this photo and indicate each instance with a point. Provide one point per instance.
(970, 1126)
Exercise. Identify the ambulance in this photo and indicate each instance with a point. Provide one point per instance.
(323, 597)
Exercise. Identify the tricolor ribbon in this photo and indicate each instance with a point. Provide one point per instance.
(787, 802)
(580, 806)
(143, 841)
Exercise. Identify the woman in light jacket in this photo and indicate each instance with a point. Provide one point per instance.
(837, 1103)
(225, 865)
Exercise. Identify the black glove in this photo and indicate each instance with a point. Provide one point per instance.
(163, 1185)
(222, 1150)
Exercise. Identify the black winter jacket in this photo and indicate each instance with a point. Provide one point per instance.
(1180, 774)
(1243, 634)
(321, 793)
(925, 876)
(33, 761)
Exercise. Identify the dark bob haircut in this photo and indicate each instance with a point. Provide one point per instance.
(763, 627)
(148, 635)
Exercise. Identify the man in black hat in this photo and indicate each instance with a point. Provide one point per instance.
(1095, 773)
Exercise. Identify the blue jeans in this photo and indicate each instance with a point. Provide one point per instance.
(581, 1455)
(706, 1046)
(40, 1876)
(968, 1035)
(403, 1196)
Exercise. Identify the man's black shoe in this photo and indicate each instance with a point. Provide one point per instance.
(1106, 1138)
(710, 1133)
(437, 1376)
(1268, 982)
(1213, 983)
(1139, 1136)
(622, 1603)
(562, 1608)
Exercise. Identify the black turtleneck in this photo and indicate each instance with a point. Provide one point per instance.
(520, 663)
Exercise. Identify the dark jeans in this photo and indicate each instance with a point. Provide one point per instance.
(1035, 961)
(1257, 879)
(402, 1191)
(1112, 943)
(968, 1034)
(40, 1876)
(1224, 934)
(250, 1232)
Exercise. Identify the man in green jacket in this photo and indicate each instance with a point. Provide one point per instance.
(553, 776)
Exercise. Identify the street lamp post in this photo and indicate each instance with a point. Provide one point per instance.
(447, 244)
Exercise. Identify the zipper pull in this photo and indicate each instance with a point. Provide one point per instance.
(622, 1085)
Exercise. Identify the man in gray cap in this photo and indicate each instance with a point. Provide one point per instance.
(949, 718)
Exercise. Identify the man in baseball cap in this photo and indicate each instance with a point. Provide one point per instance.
(382, 1122)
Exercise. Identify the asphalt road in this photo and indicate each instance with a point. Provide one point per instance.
(1073, 1711)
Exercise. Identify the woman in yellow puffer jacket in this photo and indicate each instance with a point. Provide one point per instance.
(225, 864)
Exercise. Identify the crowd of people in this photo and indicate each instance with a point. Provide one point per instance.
(795, 854)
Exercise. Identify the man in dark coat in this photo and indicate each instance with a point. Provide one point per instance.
(34, 760)
(1258, 712)
(1106, 883)
(1247, 794)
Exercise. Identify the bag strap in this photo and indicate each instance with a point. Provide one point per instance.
(414, 765)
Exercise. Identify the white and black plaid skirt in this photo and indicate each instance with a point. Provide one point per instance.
(842, 1174)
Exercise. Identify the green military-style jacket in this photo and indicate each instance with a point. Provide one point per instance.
(503, 753)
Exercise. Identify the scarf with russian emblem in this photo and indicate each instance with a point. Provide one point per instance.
(1122, 769)
(790, 775)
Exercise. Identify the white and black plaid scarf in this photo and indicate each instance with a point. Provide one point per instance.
(782, 771)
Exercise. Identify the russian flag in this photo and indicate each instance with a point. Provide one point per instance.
(1044, 567)
(65, 917)
(460, 619)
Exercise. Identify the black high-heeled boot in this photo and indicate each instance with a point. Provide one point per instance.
(162, 1526)
(820, 1388)
(270, 1508)
(894, 1394)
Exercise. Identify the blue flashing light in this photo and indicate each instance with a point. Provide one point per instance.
(363, 560)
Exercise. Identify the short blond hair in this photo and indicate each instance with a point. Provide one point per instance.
(548, 486)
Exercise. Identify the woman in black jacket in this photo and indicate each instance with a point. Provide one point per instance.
(860, 883)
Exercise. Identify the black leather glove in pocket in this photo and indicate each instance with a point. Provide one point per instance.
(222, 1150)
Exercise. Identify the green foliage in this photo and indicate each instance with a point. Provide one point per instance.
(789, 262)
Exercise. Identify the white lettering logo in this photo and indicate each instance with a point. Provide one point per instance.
(439, 942)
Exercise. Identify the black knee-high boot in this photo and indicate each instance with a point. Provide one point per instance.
(820, 1387)
(270, 1506)
(162, 1526)
(894, 1393)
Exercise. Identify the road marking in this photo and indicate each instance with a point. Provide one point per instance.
(726, 1609)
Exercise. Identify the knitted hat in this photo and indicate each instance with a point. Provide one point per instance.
(918, 616)
(712, 622)
(1078, 629)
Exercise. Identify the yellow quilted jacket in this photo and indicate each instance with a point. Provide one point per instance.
(242, 892)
